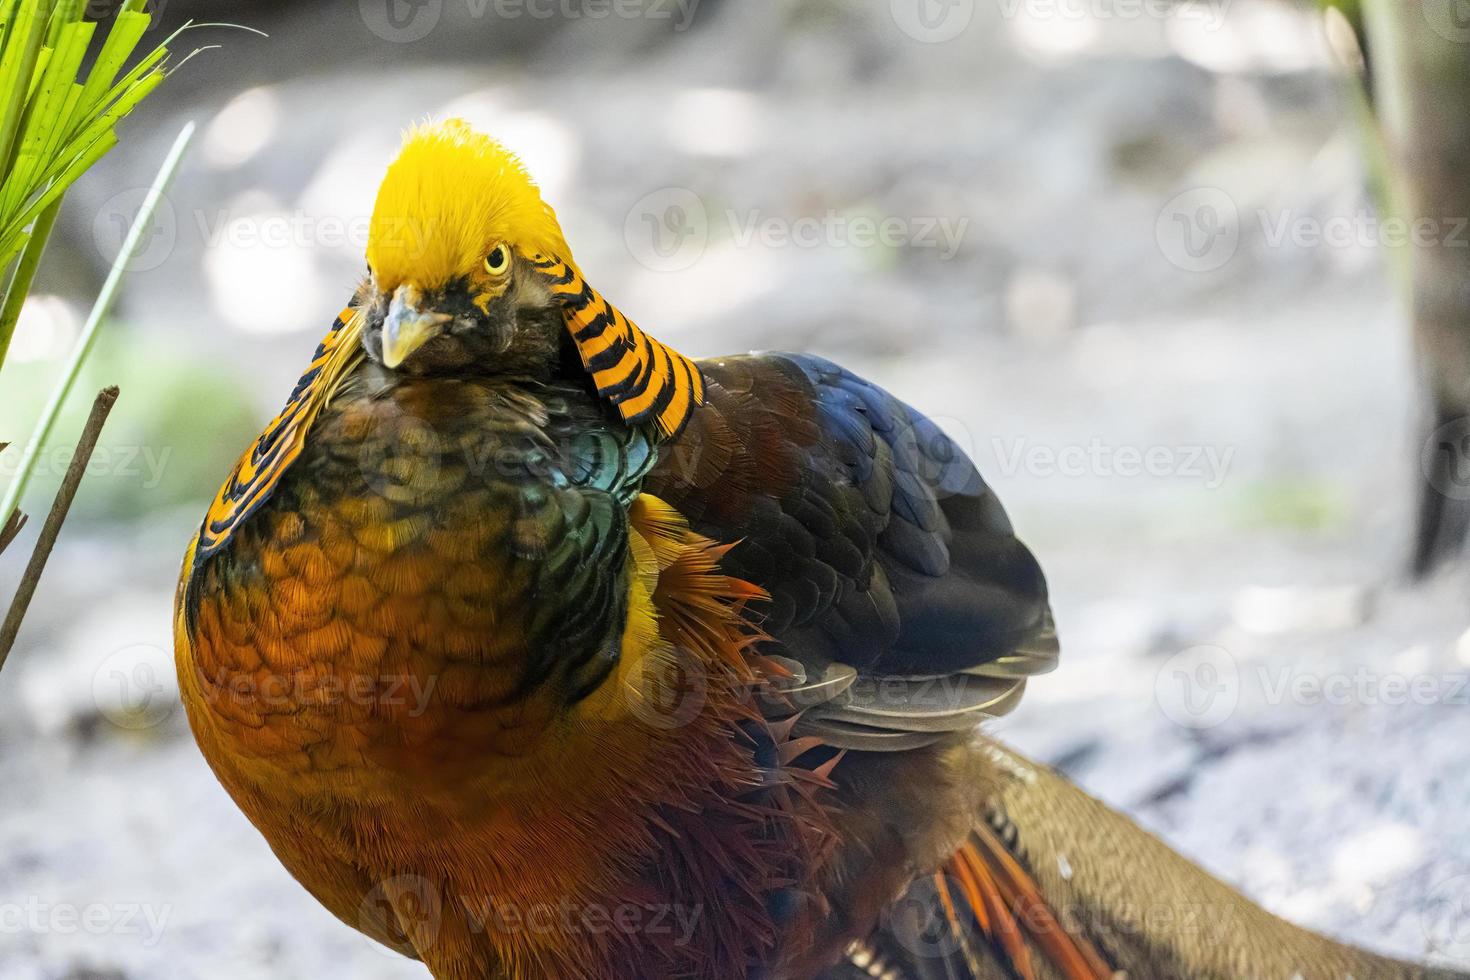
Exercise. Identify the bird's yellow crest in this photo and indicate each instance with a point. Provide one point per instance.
(453, 194)
(450, 195)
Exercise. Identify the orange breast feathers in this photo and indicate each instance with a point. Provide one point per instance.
(361, 756)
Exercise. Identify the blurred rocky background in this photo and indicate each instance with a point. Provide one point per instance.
(1124, 249)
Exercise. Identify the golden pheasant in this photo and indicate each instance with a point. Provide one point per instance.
(536, 649)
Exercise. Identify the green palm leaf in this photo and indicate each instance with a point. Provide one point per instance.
(56, 121)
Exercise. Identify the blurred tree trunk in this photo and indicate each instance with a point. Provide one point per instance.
(1421, 94)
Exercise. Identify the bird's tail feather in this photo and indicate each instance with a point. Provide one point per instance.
(1054, 885)
(1011, 912)
(980, 916)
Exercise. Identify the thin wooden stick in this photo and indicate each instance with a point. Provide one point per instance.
(101, 408)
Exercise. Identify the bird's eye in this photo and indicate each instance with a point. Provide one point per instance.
(498, 260)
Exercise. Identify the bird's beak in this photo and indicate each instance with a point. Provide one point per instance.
(406, 328)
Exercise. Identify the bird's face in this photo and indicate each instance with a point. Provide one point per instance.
(495, 318)
(451, 286)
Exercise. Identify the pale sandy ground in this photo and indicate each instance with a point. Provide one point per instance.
(1243, 670)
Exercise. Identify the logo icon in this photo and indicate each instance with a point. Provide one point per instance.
(667, 230)
(401, 456)
(932, 21)
(1450, 19)
(401, 21)
(115, 219)
(667, 693)
(402, 913)
(134, 687)
(1446, 918)
(918, 920)
(1198, 688)
(1199, 230)
(1445, 459)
